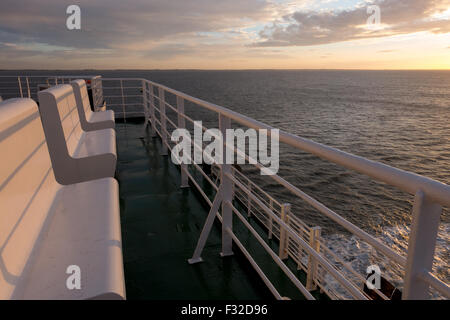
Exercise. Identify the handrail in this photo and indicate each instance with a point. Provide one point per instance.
(404, 180)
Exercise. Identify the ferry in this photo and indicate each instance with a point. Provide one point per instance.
(93, 207)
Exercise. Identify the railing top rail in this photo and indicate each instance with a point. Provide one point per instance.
(404, 180)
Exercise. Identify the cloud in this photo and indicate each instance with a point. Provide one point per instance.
(205, 33)
(118, 23)
(305, 28)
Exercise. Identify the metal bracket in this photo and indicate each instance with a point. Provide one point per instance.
(196, 258)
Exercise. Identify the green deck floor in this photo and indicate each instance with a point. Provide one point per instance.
(161, 224)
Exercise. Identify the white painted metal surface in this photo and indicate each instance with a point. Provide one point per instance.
(46, 227)
(90, 121)
(77, 156)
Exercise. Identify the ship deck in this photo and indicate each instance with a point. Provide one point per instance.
(161, 224)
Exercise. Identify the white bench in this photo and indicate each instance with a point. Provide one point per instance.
(46, 227)
(90, 121)
(76, 155)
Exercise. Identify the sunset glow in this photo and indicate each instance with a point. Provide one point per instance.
(226, 34)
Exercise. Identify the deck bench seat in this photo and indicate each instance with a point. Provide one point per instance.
(76, 155)
(46, 227)
(96, 143)
(90, 121)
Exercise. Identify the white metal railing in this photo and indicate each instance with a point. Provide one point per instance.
(297, 241)
(316, 275)
(28, 86)
(430, 196)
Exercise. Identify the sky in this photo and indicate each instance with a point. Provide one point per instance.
(226, 34)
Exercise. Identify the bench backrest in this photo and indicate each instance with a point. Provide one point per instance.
(59, 112)
(27, 188)
(82, 98)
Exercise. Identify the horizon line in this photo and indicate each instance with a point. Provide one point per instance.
(250, 69)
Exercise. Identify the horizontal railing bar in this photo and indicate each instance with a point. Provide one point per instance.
(338, 276)
(333, 215)
(266, 202)
(349, 268)
(124, 96)
(291, 248)
(197, 186)
(377, 244)
(124, 105)
(110, 88)
(267, 282)
(404, 180)
(436, 283)
(206, 176)
(158, 122)
(258, 187)
(275, 257)
(181, 114)
(171, 123)
(125, 79)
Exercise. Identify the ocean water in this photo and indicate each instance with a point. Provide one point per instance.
(400, 118)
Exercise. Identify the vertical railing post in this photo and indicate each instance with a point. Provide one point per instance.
(284, 239)
(182, 125)
(20, 86)
(152, 109)
(227, 187)
(145, 102)
(249, 199)
(145, 106)
(96, 99)
(270, 226)
(162, 110)
(123, 102)
(97, 92)
(314, 242)
(28, 88)
(422, 243)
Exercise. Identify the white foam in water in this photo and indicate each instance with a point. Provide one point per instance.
(359, 255)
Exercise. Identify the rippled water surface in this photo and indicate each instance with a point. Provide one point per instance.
(400, 118)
